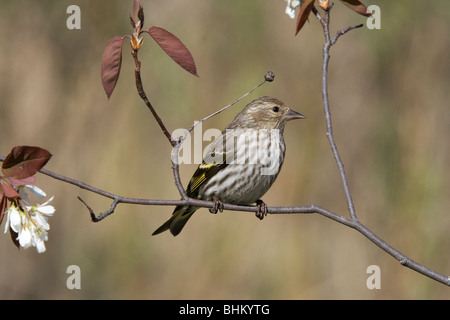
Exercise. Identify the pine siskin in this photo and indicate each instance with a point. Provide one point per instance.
(242, 163)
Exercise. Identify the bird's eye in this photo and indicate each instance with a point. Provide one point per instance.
(275, 109)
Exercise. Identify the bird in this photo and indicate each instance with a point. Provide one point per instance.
(241, 164)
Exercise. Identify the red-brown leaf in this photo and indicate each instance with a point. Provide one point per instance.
(174, 48)
(23, 161)
(303, 15)
(7, 190)
(357, 6)
(22, 182)
(3, 202)
(111, 62)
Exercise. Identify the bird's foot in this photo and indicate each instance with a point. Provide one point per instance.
(261, 209)
(217, 206)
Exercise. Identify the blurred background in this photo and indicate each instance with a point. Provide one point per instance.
(389, 95)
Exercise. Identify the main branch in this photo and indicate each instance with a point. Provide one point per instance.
(313, 208)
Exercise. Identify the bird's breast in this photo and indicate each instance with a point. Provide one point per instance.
(251, 171)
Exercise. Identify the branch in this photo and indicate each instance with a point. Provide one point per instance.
(142, 94)
(326, 58)
(176, 144)
(404, 260)
(354, 223)
(268, 77)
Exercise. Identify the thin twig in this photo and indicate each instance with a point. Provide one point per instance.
(354, 223)
(176, 169)
(142, 94)
(326, 58)
(344, 31)
(268, 77)
(102, 215)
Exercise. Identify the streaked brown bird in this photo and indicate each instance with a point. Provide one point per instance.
(241, 164)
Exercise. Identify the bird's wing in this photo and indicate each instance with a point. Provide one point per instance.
(204, 172)
(216, 158)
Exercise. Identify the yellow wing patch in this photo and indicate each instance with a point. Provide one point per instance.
(203, 172)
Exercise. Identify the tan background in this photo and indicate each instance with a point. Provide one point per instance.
(389, 92)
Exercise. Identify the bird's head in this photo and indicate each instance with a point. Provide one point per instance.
(265, 113)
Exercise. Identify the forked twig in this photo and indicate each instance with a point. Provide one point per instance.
(354, 223)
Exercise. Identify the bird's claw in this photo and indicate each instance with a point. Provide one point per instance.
(217, 206)
(261, 209)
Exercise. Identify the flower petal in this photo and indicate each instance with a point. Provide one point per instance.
(48, 201)
(15, 219)
(47, 210)
(25, 237)
(37, 191)
(40, 245)
(7, 221)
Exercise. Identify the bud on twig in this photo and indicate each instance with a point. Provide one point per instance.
(269, 76)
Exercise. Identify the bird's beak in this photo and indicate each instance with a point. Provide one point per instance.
(291, 115)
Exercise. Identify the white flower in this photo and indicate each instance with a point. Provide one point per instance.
(37, 191)
(30, 221)
(25, 237)
(39, 235)
(291, 6)
(40, 245)
(13, 219)
(23, 192)
(45, 208)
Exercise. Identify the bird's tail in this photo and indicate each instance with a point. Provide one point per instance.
(175, 224)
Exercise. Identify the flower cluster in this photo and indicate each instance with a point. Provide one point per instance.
(291, 6)
(25, 219)
(29, 221)
(307, 6)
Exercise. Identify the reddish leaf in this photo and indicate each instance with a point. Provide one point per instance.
(357, 6)
(303, 15)
(111, 62)
(23, 161)
(174, 48)
(22, 182)
(3, 206)
(7, 190)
